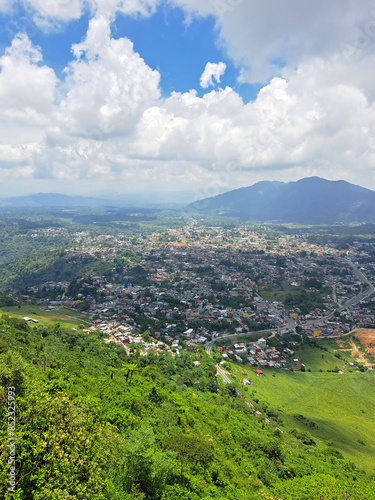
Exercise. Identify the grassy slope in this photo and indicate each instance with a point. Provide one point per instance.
(66, 317)
(341, 405)
(332, 401)
(317, 359)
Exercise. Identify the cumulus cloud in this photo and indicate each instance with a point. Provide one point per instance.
(262, 40)
(51, 15)
(211, 72)
(109, 127)
(27, 89)
(109, 85)
(308, 117)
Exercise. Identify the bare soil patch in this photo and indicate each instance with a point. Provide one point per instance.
(367, 339)
(357, 355)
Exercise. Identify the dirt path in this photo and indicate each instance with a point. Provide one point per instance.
(358, 355)
(367, 339)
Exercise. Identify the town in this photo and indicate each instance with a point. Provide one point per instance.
(181, 288)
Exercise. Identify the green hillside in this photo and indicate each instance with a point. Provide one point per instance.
(93, 422)
(336, 409)
(64, 316)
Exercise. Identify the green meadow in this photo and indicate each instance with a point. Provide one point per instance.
(65, 316)
(336, 409)
(317, 359)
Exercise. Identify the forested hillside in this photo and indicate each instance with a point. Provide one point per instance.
(93, 422)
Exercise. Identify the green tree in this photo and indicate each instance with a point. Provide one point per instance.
(12, 372)
(190, 449)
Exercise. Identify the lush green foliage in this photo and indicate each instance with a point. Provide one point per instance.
(335, 409)
(93, 422)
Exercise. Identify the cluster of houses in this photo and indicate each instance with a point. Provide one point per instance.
(257, 354)
(209, 277)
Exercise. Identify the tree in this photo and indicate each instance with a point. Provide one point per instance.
(190, 449)
(129, 370)
(12, 372)
(146, 468)
(154, 396)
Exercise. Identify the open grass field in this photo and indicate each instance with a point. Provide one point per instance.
(318, 359)
(66, 317)
(341, 405)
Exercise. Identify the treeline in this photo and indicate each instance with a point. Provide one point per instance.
(54, 265)
(17, 241)
(6, 301)
(96, 423)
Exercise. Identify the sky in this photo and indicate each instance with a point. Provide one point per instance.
(184, 98)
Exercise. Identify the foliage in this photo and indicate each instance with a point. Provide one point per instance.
(93, 422)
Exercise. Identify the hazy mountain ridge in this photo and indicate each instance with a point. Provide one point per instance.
(309, 200)
(52, 200)
(139, 200)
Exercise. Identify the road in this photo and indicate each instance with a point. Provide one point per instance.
(354, 300)
(359, 274)
(291, 323)
(227, 380)
(223, 375)
(209, 345)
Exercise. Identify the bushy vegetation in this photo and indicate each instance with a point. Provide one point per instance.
(94, 422)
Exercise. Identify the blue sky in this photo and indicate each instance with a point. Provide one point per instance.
(180, 54)
(211, 96)
(182, 49)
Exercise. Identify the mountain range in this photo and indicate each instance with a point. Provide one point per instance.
(52, 200)
(312, 200)
(140, 200)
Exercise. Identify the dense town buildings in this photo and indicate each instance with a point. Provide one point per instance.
(183, 287)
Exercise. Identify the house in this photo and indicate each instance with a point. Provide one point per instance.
(262, 343)
(30, 320)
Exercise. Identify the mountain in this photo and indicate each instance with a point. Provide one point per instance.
(141, 200)
(52, 200)
(310, 201)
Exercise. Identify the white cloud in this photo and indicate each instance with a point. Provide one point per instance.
(211, 72)
(49, 15)
(9, 154)
(109, 128)
(308, 118)
(6, 5)
(27, 89)
(108, 85)
(128, 7)
(260, 38)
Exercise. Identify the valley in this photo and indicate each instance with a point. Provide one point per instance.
(259, 335)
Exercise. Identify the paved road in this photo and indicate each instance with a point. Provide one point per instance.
(227, 380)
(209, 345)
(359, 274)
(354, 300)
(223, 375)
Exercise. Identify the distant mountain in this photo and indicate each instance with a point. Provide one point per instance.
(52, 200)
(140, 200)
(310, 201)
